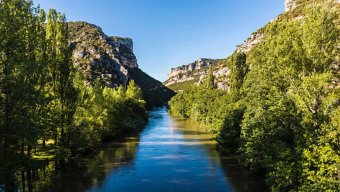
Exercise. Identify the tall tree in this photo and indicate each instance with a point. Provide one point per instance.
(18, 68)
(238, 71)
(60, 73)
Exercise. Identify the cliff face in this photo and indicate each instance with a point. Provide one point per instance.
(195, 66)
(100, 56)
(111, 60)
(190, 73)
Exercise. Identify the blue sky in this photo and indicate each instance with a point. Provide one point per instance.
(170, 33)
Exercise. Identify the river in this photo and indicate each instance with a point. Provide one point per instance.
(168, 155)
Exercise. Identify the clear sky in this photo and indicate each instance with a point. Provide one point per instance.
(170, 33)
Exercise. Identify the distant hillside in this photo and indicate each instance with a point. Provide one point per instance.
(181, 77)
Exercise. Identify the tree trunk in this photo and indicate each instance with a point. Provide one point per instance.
(22, 149)
(23, 181)
(29, 152)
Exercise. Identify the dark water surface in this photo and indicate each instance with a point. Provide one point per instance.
(169, 155)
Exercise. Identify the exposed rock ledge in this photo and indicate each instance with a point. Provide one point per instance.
(189, 72)
(255, 39)
(290, 4)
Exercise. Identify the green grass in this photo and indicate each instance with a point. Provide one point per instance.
(43, 153)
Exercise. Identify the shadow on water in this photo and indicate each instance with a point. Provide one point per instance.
(168, 155)
(74, 175)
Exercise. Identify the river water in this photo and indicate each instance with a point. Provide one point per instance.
(168, 155)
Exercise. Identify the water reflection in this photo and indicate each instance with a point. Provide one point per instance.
(82, 174)
(170, 155)
(74, 175)
(173, 155)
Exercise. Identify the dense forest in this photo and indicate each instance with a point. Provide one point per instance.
(282, 112)
(48, 109)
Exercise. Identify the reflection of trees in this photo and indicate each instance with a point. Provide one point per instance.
(33, 178)
(238, 176)
(74, 175)
(8, 181)
(192, 132)
(82, 174)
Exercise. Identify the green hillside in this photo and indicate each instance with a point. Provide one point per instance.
(282, 112)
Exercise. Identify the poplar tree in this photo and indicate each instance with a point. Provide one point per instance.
(238, 72)
(60, 73)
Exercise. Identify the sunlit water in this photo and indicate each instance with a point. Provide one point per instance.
(168, 155)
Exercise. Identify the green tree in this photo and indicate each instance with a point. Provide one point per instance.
(18, 69)
(320, 158)
(209, 81)
(133, 91)
(238, 71)
(60, 74)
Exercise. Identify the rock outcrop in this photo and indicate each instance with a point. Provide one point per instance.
(100, 56)
(290, 4)
(250, 42)
(111, 60)
(189, 72)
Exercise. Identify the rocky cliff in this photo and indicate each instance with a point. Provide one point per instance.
(179, 78)
(111, 60)
(189, 72)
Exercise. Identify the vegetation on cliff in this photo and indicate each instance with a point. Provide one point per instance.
(282, 112)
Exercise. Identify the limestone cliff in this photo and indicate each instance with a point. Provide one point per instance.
(192, 73)
(111, 60)
(189, 71)
(101, 56)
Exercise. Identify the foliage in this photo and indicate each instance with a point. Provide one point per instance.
(104, 113)
(43, 98)
(282, 115)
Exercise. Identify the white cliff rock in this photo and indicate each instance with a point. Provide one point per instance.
(189, 72)
(254, 40)
(290, 4)
(196, 73)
